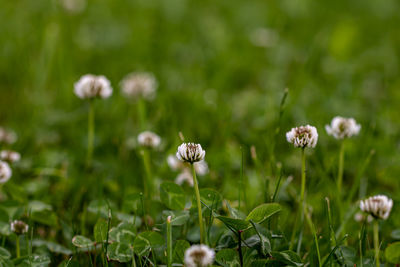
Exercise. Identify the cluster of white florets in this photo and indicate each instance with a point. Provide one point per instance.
(341, 128)
(303, 136)
(149, 139)
(139, 84)
(185, 175)
(91, 86)
(378, 206)
(199, 256)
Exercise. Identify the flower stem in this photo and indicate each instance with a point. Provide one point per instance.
(169, 242)
(141, 105)
(196, 189)
(148, 185)
(303, 177)
(90, 133)
(340, 171)
(17, 248)
(376, 242)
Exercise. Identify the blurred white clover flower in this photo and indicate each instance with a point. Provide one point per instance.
(378, 206)
(190, 152)
(139, 84)
(303, 136)
(73, 6)
(7, 136)
(5, 172)
(91, 86)
(10, 156)
(199, 256)
(360, 217)
(264, 37)
(341, 128)
(149, 139)
(185, 176)
(19, 227)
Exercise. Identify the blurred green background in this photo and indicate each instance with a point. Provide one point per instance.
(222, 67)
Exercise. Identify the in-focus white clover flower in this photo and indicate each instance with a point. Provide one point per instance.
(341, 128)
(139, 84)
(5, 172)
(6, 136)
(190, 152)
(199, 256)
(185, 176)
(19, 227)
(149, 139)
(378, 206)
(303, 136)
(9, 156)
(91, 86)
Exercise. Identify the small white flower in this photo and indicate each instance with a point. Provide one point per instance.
(303, 136)
(149, 139)
(190, 152)
(341, 128)
(91, 86)
(201, 167)
(185, 176)
(8, 137)
(360, 217)
(378, 206)
(199, 256)
(5, 172)
(174, 163)
(73, 6)
(9, 156)
(139, 84)
(19, 227)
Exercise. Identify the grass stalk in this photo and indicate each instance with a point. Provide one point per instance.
(196, 189)
(17, 247)
(312, 228)
(340, 170)
(149, 183)
(169, 241)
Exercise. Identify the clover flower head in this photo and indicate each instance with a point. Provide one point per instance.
(378, 206)
(91, 86)
(19, 227)
(190, 152)
(303, 136)
(199, 256)
(149, 139)
(341, 128)
(5, 172)
(9, 156)
(139, 84)
(7, 136)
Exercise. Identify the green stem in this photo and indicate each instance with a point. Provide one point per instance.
(312, 228)
(141, 105)
(303, 176)
(90, 134)
(196, 189)
(340, 171)
(17, 248)
(169, 241)
(376, 242)
(149, 184)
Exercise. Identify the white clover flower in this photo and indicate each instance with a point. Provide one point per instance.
(185, 176)
(19, 227)
(199, 256)
(7, 137)
(149, 139)
(378, 206)
(190, 152)
(341, 128)
(73, 6)
(201, 167)
(303, 136)
(9, 156)
(360, 217)
(91, 86)
(174, 163)
(5, 172)
(139, 84)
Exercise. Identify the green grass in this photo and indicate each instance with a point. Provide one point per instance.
(218, 89)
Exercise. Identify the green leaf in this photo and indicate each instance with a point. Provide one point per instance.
(392, 253)
(51, 246)
(287, 257)
(124, 217)
(146, 241)
(100, 207)
(123, 233)
(82, 242)
(395, 234)
(4, 253)
(173, 196)
(177, 217)
(33, 261)
(100, 230)
(45, 217)
(5, 229)
(120, 252)
(263, 212)
(179, 251)
(227, 258)
(236, 224)
(36, 206)
(133, 203)
(6, 262)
